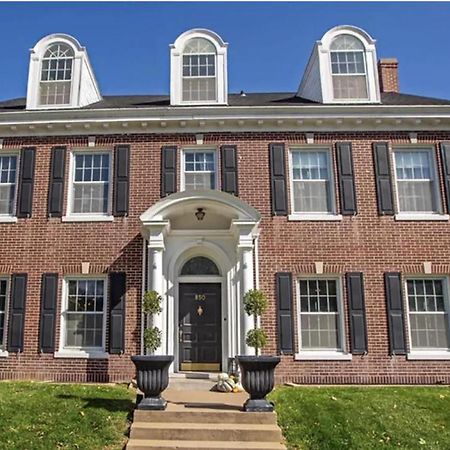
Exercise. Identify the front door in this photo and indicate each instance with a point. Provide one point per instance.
(200, 326)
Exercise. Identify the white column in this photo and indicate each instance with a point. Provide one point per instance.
(247, 284)
(156, 234)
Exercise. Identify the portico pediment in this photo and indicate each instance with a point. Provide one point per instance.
(221, 211)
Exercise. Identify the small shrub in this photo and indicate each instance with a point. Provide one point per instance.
(151, 303)
(152, 338)
(257, 339)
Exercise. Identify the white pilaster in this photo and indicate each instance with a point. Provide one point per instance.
(156, 234)
(245, 231)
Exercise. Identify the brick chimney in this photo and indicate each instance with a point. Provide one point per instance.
(388, 74)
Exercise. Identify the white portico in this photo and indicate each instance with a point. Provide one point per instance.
(221, 230)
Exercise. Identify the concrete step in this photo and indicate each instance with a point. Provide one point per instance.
(204, 416)
(206, 431)
(191, 384)
(140, 444)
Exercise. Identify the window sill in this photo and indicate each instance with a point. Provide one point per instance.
(429, 355)
(422, 217)
(8, 219)
(321, 356)
(4, 354)
(87, 218)
(315, 217)
(94, 354)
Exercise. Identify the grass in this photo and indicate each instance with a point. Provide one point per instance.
(63, 416)
(364, 417)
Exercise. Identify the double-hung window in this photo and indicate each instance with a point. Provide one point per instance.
(312, 182)
(91, 184)
(8, 184)
(84, 315)
(199, 169)
(3, 305)
(417, 186)
(428, 311)
(320, 321)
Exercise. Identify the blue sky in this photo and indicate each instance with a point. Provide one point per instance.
(269, 43)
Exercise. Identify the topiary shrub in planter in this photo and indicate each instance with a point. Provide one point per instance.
(258, 372)
(152, 370)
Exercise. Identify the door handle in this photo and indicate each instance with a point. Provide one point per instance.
(180, 334)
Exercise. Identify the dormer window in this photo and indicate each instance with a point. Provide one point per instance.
(199, 71)
(198, 66)
(56, 75)
(342, 68)
(60, 75)
(348, 68)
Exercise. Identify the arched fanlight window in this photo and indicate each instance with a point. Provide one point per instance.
(199, 71)
(348, 68)
(200, 265)
(56, 75)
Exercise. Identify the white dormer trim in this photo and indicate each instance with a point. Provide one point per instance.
(317, 84)
(176, 63)
(84, 86)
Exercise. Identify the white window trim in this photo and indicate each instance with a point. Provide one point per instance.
(331, 216)
(4, 353)
(414, 215)
(203, 149)
(87, 353)
(326, 354)
(426, 354)
(12, 218)
(88, 217)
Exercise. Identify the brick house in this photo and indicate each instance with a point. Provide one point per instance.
(333, 200)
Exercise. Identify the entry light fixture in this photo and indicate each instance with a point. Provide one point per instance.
(200, 214)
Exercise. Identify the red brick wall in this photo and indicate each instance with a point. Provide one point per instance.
(365, 243)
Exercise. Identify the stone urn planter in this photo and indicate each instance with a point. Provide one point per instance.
(152, 379)
(258, 378)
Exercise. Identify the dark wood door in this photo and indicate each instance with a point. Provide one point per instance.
(200, 326)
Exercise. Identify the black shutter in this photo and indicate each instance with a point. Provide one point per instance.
(168, 171)
(356, 308)
(383, 178)
(346, 178)
(121, 180)
(117, 294)
(56, 189)
(17, 312)
(445, 153)
(229, 169)
(278, 179)
(285, 318)
(394, 299)
(25, 194)
(49, 294)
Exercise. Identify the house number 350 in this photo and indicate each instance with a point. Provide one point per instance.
(200, 297)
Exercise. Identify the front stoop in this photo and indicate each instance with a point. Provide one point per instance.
(205, 427)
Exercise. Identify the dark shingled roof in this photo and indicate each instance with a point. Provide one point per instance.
(251, 99)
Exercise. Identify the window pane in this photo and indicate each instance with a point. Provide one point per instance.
(311, 185)
(319, 317)
(199, 89)
(427, 314)
(199, 170)
(199, 181)
(8, 174)
(84, 316)
(91, 183)
(349, 86)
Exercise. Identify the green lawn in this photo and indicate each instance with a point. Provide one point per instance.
(364, 417)
(63, 416)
